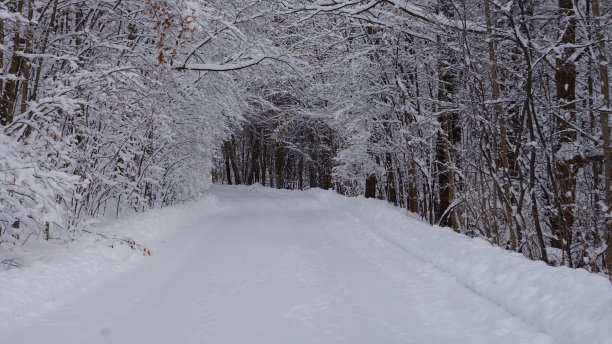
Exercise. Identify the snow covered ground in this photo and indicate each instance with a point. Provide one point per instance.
(256, 265)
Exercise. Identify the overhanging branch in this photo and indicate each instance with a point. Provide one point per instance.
(225, 67)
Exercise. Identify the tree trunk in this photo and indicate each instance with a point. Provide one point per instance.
(1, 68)
(604, 118)
(254, 159)
(279, 166)
(391, 190)
(370, 187)
(328, 156)
(228, 171)
(449, 132)
(413, 192)
(8, 98)
(231, 153)
(264, 165)
(300, 172)
(565, 81)
(312, 170)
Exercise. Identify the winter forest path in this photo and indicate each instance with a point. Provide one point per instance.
(275, 267)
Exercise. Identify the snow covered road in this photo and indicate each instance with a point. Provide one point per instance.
(274, 267)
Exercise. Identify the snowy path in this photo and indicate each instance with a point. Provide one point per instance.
(273, 267)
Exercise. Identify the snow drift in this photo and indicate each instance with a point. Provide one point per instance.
(571, 305)
(53, 272)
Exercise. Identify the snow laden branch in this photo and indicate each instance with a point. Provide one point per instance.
(225, 67)
(411, 8)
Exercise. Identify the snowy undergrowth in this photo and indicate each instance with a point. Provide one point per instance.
(571, 305)
(50, 272)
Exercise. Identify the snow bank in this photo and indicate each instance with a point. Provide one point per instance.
(54, 272)
(572, 306)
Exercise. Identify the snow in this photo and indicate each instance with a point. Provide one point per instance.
(52, 272)
(572, 304)
(257, 265)
(12, 16)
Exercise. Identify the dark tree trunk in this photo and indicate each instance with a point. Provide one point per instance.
(8, 96)
(312, 169)
(565, 80)
(301, 173)
(413, 192)
(230, 148)
(449, 132)
(228, 171)
(254, 159)
(391, 190)
(328, 156)
(279, 165)
(370, 187)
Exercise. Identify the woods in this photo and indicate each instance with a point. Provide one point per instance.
(488, 117)
(94, 120)
(485, 117)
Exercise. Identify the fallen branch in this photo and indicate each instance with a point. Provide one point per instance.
(113, 239)
(10, 263)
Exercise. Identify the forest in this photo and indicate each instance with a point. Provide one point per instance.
(490, 117)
